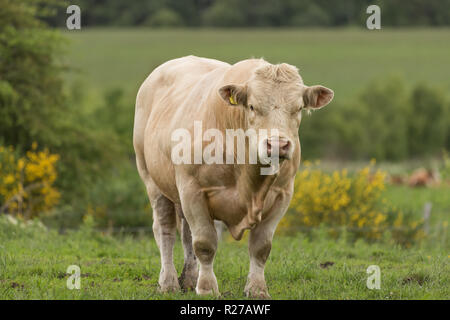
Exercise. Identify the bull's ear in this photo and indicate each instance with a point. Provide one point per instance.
(234, 94)
(317, 97)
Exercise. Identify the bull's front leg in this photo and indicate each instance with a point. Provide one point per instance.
(204, 237)
(259, 245)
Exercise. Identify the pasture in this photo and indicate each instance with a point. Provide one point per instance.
(34, 259)
(342, 59)
(33, 265)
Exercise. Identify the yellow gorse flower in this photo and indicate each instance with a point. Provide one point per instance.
(337, 199)
(27, 183)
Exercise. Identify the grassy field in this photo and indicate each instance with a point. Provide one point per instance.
(34, 260)
(33, 265)
(342, 59)
(413, 200)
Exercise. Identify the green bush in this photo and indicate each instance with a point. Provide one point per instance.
(312, 16)
(351, 202)
(386, 119)
(428, 121)
(221, 14)
(387, 122)
(116, 116)
(118, 200)
(34, 106)
(165, 18)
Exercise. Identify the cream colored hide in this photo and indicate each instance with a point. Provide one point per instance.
(251, 94)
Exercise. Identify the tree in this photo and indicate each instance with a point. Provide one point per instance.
(31, 93)
(33, 105)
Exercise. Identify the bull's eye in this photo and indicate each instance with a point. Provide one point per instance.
(251, 108)
(296, 111)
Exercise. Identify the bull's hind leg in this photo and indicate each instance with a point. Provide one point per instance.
(164, 228)
(164, 216)
(189, 275)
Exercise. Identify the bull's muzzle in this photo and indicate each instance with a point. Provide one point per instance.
(279, 146)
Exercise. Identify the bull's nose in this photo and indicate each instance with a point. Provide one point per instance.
(283, 146)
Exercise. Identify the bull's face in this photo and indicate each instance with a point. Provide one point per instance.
(273, 99)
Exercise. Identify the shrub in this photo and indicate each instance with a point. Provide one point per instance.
(427, 122)
(387, 122)
(313, 15)
(165, 18)
(445, 166)
(117, 201)
(351, 202)
(31, 90)
(121, 200)
(33, 103)
(386, 119)
(220, 15)
(27, 183)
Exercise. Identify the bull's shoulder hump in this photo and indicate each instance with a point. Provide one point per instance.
(186, 69)
(194, 63)
(176, 71)
(250, 63)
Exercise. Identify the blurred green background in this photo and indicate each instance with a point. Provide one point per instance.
(73, 91)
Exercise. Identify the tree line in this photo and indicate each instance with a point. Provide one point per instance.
(255, 13)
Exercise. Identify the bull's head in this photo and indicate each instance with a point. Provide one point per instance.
(273, 99)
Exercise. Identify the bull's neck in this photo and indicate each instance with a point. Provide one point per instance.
(226, 116)
(253, 186)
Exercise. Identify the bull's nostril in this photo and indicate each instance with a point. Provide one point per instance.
(281, 146)
(269, 146)
(285, 146)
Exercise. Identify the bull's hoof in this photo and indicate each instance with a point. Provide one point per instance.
(207, 286)
(256, 291)
(188, 278)
(168, 282)
(207, 292)
(169, 288)
(258, 294)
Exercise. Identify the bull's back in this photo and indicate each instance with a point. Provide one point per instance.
(159, 104)
(171, 82)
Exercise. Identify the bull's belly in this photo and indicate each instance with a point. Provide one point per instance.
(226, 205)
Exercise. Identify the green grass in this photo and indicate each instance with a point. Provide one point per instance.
(33, 265)
(412, 200)
(343, 59)
(33, 262)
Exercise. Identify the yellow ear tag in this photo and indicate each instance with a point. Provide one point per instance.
(232, 101)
